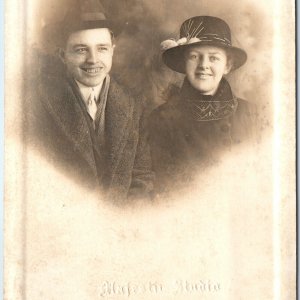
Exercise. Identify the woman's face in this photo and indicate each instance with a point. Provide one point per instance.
(205, 67)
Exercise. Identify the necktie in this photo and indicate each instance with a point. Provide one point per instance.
(92, 105)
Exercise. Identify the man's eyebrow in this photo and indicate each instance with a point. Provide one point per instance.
(79, 45)
(104, 44)
(85, 45)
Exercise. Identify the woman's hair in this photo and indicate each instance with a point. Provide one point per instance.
(230, 60)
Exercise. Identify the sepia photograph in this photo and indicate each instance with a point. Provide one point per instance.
(150, 149)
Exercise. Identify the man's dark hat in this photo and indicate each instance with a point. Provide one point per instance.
(201, 30)
(84, 14)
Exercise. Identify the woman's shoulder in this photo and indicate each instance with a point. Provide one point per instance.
(244, 104)
(244, 121)
(246, 109)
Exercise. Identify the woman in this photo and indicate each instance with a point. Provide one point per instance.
(203, 118)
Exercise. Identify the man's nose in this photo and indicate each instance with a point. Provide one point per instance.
(93, 57)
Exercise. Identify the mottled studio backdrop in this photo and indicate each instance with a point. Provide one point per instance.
(137, 60)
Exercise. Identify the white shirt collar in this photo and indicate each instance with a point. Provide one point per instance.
(86, 90)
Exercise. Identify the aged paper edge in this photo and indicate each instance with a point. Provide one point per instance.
(284, 212)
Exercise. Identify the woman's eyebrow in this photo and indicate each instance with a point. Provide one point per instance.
(192, 51)
(210, 52)
(214, 52)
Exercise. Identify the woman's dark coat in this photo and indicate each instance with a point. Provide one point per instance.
(182, 144)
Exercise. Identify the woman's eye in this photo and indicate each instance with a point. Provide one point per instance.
(214, 58)
(193, 56)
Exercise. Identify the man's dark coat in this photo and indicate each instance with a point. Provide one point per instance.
(59, 126)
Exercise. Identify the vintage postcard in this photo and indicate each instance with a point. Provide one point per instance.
(150, 149)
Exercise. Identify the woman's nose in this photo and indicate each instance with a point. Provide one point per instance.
(203, 62)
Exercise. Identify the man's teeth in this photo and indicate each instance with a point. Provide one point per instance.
(94, 70)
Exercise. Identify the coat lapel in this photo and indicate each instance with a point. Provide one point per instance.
(63, 103)
(119, 111)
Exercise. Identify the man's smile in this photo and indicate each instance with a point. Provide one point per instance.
(92, 70)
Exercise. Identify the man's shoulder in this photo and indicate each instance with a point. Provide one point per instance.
(52, 79)
(117, 87)
(126, 95)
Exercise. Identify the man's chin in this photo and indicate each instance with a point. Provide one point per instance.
(91, 82)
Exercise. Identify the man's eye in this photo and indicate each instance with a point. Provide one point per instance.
(103, 49)
(80, 50)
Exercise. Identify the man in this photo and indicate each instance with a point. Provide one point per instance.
(84, 121)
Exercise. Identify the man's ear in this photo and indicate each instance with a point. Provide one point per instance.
(113, 48)
(61, 54)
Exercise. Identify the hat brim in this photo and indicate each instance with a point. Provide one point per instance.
(174, 57)
(115, 27)
(57, 33)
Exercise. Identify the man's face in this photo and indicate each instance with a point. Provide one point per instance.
(88, 55)
(205, 67)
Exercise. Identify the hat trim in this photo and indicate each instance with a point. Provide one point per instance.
(191, 39)
(177, 53)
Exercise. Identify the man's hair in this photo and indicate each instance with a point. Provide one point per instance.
(112, 36)
(66, 36)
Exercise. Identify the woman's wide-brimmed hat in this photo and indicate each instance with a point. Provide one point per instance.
(83, 14)
(201, 30)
